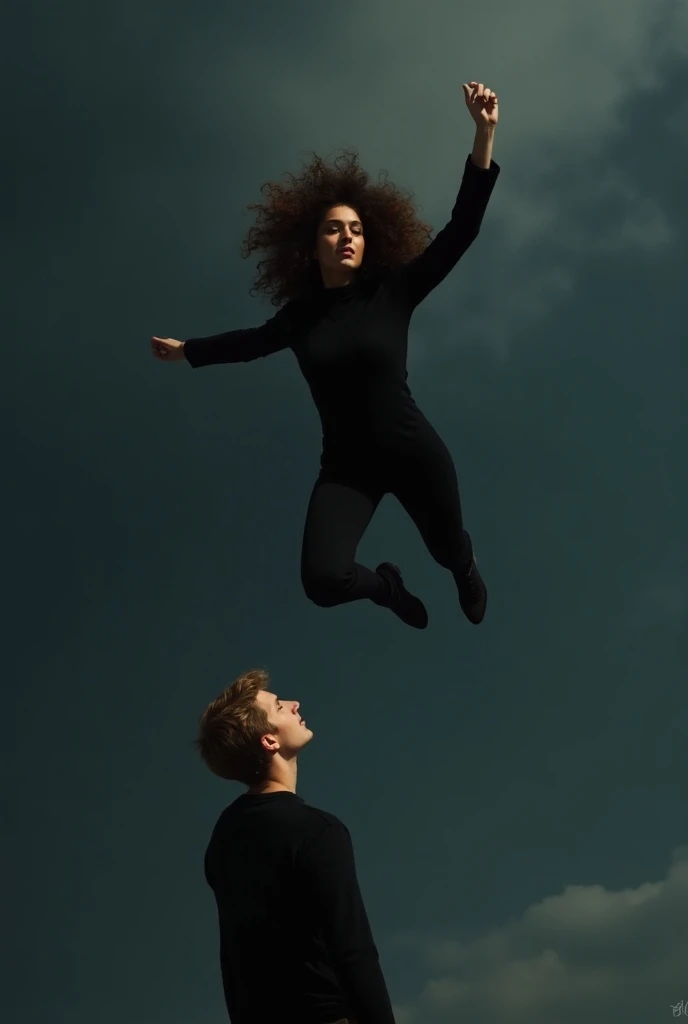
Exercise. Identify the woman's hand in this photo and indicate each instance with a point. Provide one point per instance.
(482, 104)
(168, 349)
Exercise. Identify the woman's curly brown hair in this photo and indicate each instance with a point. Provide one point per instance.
(287, 222)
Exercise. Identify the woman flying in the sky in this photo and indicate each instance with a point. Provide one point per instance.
(348, 262)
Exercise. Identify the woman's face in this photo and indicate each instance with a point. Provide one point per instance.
(339, 245)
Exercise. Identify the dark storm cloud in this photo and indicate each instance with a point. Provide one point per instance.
(155, 515)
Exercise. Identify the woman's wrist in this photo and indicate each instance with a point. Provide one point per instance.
(482, 145)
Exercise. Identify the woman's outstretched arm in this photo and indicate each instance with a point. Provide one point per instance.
(240, 346)
(419, 277)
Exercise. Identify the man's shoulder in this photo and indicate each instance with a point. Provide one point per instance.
(287, 810)
(325, 818)
(308, 820)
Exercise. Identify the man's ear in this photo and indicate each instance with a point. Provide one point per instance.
(270, 743)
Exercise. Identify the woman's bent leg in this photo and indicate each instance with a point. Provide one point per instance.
(428, 490)
(338, 516)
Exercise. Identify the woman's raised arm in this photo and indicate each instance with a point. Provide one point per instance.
(420, 276)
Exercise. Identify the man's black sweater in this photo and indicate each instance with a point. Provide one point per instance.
(295, 942)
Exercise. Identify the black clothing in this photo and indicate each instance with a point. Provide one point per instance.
(343, 503)
(295, 941)
(472, 593)
(409, 608)
(351, 346)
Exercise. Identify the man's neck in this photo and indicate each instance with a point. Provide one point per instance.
(284, 781)
(270, 787)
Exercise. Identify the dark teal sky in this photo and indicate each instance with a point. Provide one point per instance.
(516, 793)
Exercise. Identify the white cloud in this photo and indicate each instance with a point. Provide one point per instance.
(587, 955)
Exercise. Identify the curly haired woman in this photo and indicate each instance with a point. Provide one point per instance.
(348, 262)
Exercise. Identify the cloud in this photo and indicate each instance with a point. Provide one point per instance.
(386, 78)
(589, 954)
(666, 602)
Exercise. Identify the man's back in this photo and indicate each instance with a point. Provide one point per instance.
(295, 942)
